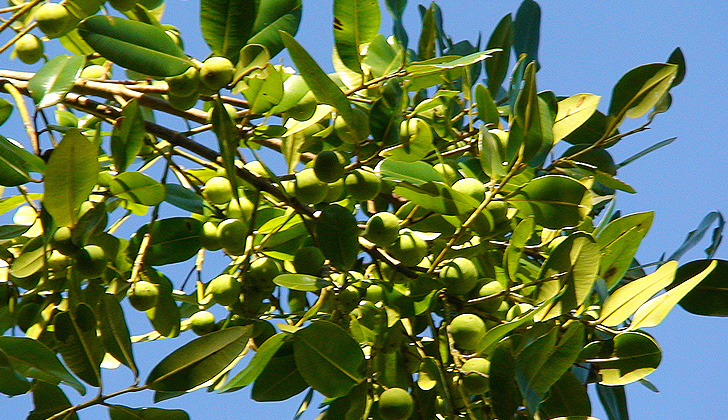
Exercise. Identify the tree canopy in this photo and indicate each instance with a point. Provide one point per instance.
(421, 234)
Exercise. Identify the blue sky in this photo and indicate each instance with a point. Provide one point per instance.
(586, 46)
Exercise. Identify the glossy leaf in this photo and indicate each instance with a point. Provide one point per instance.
(710, 297)
(614, 401)
(114, 331)
(653, 312)
(83, 8)
(526, 30)
(623, 302)
(438, 197)
(567, 397)
(573, 112)
(263, 89)
(413, 147)
(592, 130)
(619, 241)
(172, 240)
(280, 379)
(55, 79)
(337, 235)
(302, 282)
(134, 45)
(413, 173)
(127, 137)
(356, 23)
(16, 164)
(640, 89)
(11, 382)
(274, 16)
(635, 355)
(531, 134)
(257, 364)
(137, 188)
(487, 110)
(78, 343)
(492, 156)
(120, 412)
(556, 201)
(49, 399)
(226, 25)
(198, 361)
(66, 190)
(497, 68)
(165, 315)
(183, 198)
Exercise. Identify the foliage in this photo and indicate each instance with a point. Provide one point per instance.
(453, 227)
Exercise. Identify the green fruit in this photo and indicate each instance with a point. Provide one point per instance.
(408, 248)
(202, 322)
(224, 289)
(184, 102)
(348, 298)
(373, 293)
(233, 235)
(460, 276)
(297, 301)
(499, 210)
(355, 134)
(309, 260)
(231, 111)
(257, 167)
(308, 188)
(396, 404)
(335, 191)
(448, 172)
(57, 261)
(143, 295)
(216, 73)
(94, 71)
(184, 84)
(329, 166)
(363, 184)
(29, 49)
(91, 262)
(382, 229)
(53, 19)
(62, 241)
(218, 190)
(471, 187)
(517, 310)
(122, 5)
(467, 330)
(489, 289)
(262, 272)
(240, 209)
(474, 383)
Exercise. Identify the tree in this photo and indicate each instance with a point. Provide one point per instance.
(435, 257)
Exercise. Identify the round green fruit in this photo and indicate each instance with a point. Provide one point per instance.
(467, 330)
(262, 272)
(355, 134)
(202, 322)
(240, 209)
(29, 49)
(517, 310)
(382, 229)
(231, 111)
(408, 248)
(94, 71)
(489, 289)
(224, 289)
(184, 84)
(91, 261)
(363, 184)
(309, 260)
(184, 102)
(373, 293)
(297, 301)
(448, 172)
(233, 235)
(216, 73)
(348, 298)
(309, 189)
(335, 191)
(143, 295)
(470, 186)
(460, 276)
(218, 190)
(209, 238)
(474, 383)
(62, 241)
(329, 166)
(396, 404)
(53, 19)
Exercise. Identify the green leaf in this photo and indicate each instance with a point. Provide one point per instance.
(172, 240)
(414, 146)
(497, 68)
(634, 356)
(396, 9)
(55, 79)
(165, 316)
(11, 382)
(556, 201)
(31, 355)
(120, 412)
(78, 342)
(49, 399)
(677, 58)
(696, 235)
(137, 188)
(413, 173)
(83, 8)
(280, 379)
(710, 297)
(70, 176)
(320, 84)
(199, 361)
(623, 302)
(526, 30)
(437, 197)
(274, 16)
(183, 198)
(646, 151)
(127, 137)
(16, 164)
(338, 236)
(328, 358)
(302, 282)
(227, 24)
(114, 332)
(492, 155)
(567, 397)
(257, 364)
(426, 45)
(619, 241)
(504, 393)
(487, 110)
(356, 23)
(134, 45)
(531, 133)
(30, 260)
(12, 231)
(227, 139)
(6, 108)
(385, 116)
(653, 312)
(573, 112)
(640, 89)
(614, 401)
(263, 89)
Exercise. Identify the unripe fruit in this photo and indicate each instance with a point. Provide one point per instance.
(517, 310)
(363, 184)
(91, 262)
(355, 134)
(308, 188)
(408, 248)
(460, 276)
(231, 111)
(471, 187)
(224, 289)
(335, 191)
(209, 238)
(488, 289)
(467, 330)
(382, 229)
(216, 73)
(395, 404)
(218, 190)
(29, 49)
(53, 19)
(184, 102)
(262, 272)
(373, 293)
(474, 383)
(448, 172)
(184, 84)
(240, 209)
(348, 298)
(232, 234)
(328, 166)
(143, 295)
(202, 322)
(122, 5)
(297, 301)
(62, 241)
(94, 71)
(309, 260)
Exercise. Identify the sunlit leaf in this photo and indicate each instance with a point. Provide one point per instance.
(573, 112)
(640, 89)
(256, 365)
(556, 201)
(16, 164)
(356, 22)
(226, 25)
(635, 355)
(114, 331)
(127, 137)
(55, 79)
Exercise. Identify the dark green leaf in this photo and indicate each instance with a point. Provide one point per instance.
(497, 67)
(183, 198)
(415, 145)
(526, 30)
(503, 387)
(12, 231)
(590, 131)
(6, 108)
(11, 382)
(426, 46)
(227, 139)
(127, 137)
(199, 360)
(78, 342)
(385, 116)
(678, 59)
(328, 358)
(165, 317)
(614, 401)
(280, 379)
(487, 110)
(396, 8)
(635, 355)
(356, 22)
(257, 364)
(227, 24)
(338, 236)
(567, 397)
(648, 150)
(137, 188)
(120, 412)
(413, 173)
(49, 399)
(274, 16)
(172, 240)
(531, 133)
(619, 241)
(302, 282)
(134, 45)
(710, 297)
(556, 201)
(16, 164)
(640, 89)
(114, 332)
(696, 235)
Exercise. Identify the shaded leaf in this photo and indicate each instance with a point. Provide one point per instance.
(492, 156)
(227, 24)
(16, 164)
(48, 399)
(526, 30)
(11, 382)
(127, 137)
(635, 355)
(257, 364)
(172, 240)
(280, 379)
(640, 89)
(696, 235)
(120, 412)
(55, 79)
(567, 397)
(710, 297)
(114, 332)
(497, 68)
(183, 198)
(614, 401)
(164, 316)
(227, 139)
(274, 16)
(6, 108)
(648, 150)
(78, 342)
(337, 236)
(503, 387)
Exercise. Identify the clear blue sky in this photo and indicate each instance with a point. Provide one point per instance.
(586, 46)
